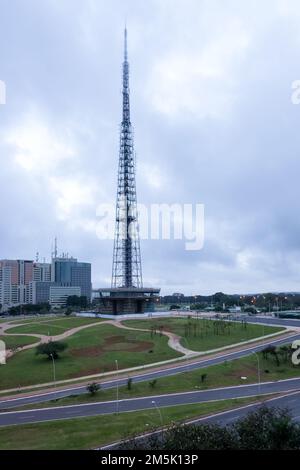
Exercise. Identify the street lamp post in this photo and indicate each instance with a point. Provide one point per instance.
(258, 372)
(54, 374)
(117, 367)
(159, 412)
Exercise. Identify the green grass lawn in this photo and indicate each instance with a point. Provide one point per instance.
(13, 342)
(220, 375)
(52, 326)
(30, 319)
(90, 351)
(204, 335)
(87, 433)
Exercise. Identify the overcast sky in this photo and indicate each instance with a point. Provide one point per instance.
(213, 119)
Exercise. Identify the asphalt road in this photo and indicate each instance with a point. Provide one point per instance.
(135, 404)
(225, 418)
(163, 372)
(272, 321)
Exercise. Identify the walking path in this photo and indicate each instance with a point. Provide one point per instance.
(173, 339)
(173, 342)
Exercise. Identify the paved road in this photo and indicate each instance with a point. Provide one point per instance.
(135, 404)
(272, 321)
(163, 372)
(291, 402)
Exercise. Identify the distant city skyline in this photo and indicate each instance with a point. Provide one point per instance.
(214, 122)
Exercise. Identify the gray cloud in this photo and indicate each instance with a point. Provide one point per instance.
(213, 119)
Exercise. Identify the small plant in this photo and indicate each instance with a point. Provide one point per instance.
(203, 378)
(93, 388)
(153, 383)
(129, 383)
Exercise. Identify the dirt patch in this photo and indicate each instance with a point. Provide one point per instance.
(113, 343)
(92, 371)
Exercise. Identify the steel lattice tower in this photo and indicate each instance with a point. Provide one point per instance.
(126, 270)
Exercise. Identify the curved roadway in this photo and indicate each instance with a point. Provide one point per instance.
(142, 403)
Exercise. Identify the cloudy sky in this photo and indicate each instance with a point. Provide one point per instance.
(211, 86)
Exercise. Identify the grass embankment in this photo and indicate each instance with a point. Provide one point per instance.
(52, 327)
(204, 335)
(93, 350)
(14, 342)
(86, 433)
(221, 375)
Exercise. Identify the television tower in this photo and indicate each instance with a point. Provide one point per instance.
(126, 269)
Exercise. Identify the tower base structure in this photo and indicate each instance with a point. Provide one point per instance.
(126, 300)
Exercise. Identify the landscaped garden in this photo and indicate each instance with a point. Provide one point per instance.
(52, 326)
(201, 334)
(92, 350)
(274, 364)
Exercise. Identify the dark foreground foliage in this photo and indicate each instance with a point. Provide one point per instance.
(264, 429)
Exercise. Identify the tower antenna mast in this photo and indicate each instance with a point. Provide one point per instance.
(126, 269)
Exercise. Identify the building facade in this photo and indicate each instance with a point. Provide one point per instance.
(28, 282)
(59, 295)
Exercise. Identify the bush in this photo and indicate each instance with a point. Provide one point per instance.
(277, 430)
(93, 388)
(153, 383)
(51, 349)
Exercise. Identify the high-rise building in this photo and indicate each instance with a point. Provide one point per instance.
(25, 281)
(5, 285)
(69, 272)
(17, 274)
(42, 272)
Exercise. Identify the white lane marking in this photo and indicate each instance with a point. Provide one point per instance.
(166, 370)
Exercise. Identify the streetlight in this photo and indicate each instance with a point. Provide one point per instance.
(117, 367)
(54, 374)
(258, 371)
(159, 412)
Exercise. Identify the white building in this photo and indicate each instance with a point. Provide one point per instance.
(60, 294)
(5, 285)
(42, 272)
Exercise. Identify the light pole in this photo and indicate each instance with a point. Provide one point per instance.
(54, 374)
(258, 371)
(117, 367)
(159, 412)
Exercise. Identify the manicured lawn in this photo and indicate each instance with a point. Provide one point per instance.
(90, 351)
(87, 433)
(13, 342)
(204, 335)
(226, 374)
(28, 319)
(52, 326)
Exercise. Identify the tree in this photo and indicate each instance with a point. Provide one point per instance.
(77, 301)
(268, 350)
(153, 383)
(93, 388)
(285, 352)
(203, 378)
(51, 349)
(277, 430)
